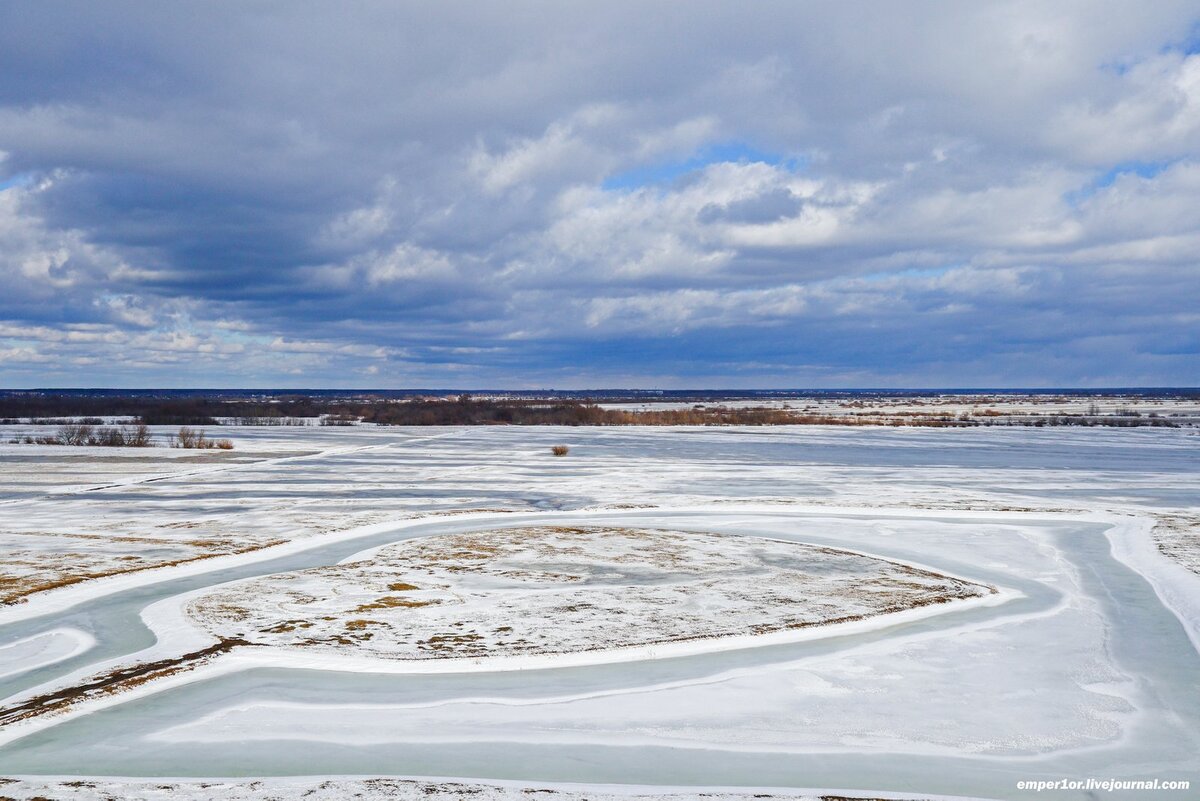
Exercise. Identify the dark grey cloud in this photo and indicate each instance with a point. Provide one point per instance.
(376, 193)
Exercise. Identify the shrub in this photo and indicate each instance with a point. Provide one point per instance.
(192, 438)
(110, 437)
(138, 436)
(74, 434)
(187, 438)
(79, 434)
(560, 450)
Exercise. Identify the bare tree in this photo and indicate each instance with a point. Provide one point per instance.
(74, 434)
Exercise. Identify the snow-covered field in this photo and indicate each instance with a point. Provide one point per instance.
(563, 590)
(1084, 664)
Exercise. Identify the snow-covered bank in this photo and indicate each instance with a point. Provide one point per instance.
(43, 649)
(1176, 585)
(335, 788)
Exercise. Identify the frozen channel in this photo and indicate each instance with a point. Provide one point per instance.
(1086, 674)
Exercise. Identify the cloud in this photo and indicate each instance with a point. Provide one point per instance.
(988, 193)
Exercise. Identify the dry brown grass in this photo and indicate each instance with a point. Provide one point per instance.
(16, 589)
(287, 626)
(392, 602)
(359, 625)
(468, 642)
(117, 680)
(1178, 538)
(560, 450)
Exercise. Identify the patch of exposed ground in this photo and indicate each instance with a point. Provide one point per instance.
(1178, 537)
(40, 561)
(549, 590)
(316, 789)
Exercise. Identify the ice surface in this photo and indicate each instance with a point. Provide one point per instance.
(972, 683)
(42, 649)
(1090, 672)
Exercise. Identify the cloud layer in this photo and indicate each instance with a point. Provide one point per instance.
(543, 194)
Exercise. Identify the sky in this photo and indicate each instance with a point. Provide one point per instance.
(617, 194)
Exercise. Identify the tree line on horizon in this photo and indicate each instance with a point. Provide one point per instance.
(467, 410)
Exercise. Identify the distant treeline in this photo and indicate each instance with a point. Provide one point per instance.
(463, 410)
(50, 408)
(466, 410)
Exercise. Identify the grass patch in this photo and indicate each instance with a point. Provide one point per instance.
(392, 602)
(402, 586)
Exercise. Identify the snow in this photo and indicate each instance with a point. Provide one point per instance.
(46, 648)
(154, 508)
(86, 514)
(802, 706)
(392, 789)
(1083, 665)
(556, 589)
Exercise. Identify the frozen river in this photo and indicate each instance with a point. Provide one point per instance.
(1083, 671)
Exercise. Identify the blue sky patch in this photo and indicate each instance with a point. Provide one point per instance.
(20, 179)
(1144, 169)
(911, 272)
(1190, 45)
(667, 171)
